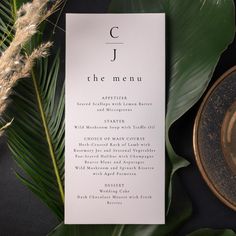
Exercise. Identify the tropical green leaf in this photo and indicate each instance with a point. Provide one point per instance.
(197, 33)
(210, 232)
(195, 43)
(76, 230)
(36, 137)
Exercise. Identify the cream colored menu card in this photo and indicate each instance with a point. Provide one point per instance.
(115, 119)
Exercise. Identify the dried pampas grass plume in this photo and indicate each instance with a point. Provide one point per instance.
(5, 127)
(13, 64)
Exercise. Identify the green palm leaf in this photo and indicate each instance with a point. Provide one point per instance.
(36, 137)
(194, 44)
(6, 23)
(8, 9)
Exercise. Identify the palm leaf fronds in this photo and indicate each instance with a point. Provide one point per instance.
(36, 137)
(7, 16)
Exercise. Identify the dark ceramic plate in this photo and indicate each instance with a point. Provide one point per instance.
(214, 138)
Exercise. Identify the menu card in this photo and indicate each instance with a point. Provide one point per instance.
(115, 119)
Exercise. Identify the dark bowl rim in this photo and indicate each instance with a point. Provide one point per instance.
(198, 158)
